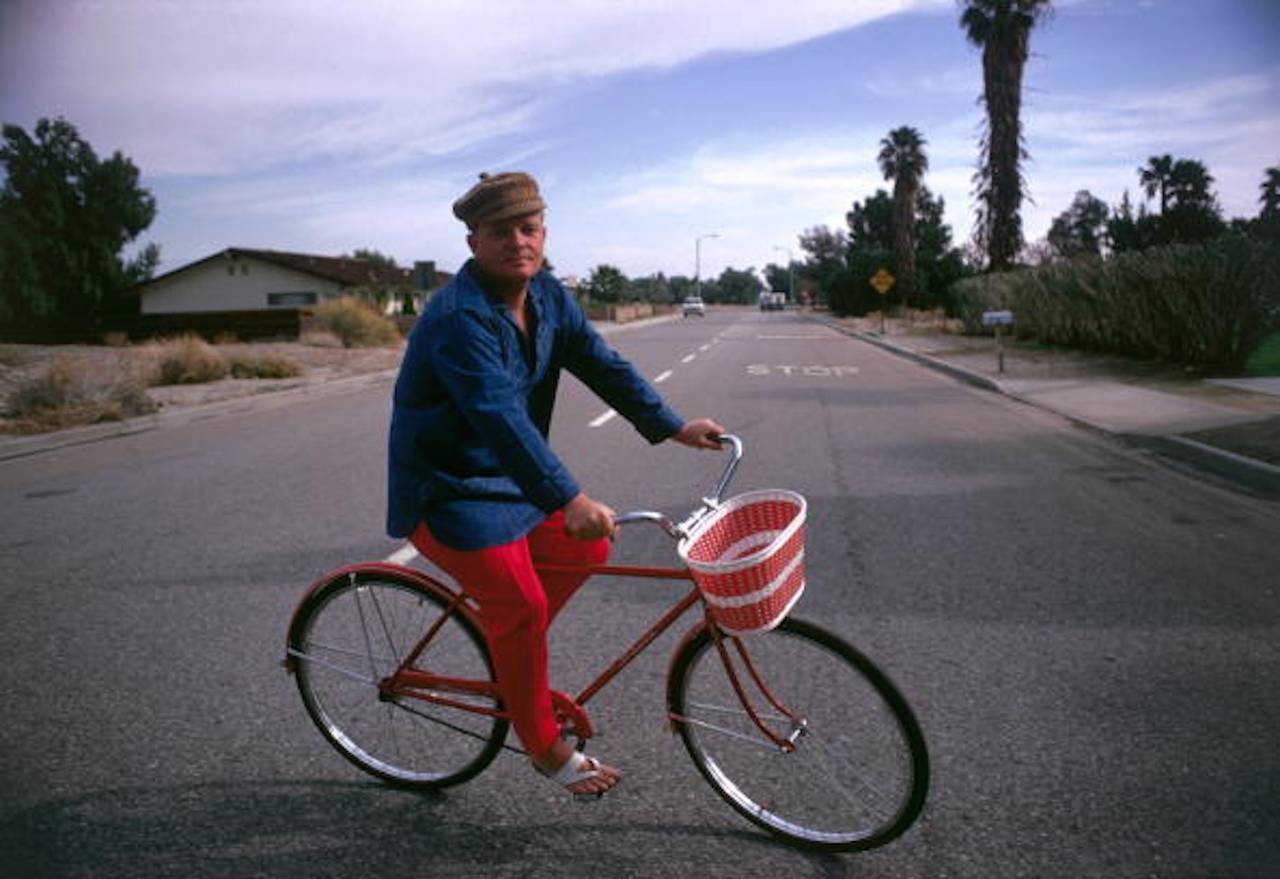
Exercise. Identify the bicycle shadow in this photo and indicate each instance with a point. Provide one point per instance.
(305, 828)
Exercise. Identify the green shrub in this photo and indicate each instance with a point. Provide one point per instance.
(68, 393)
(263, 366)
(1206, 305)
(185, 360)
(355, 323)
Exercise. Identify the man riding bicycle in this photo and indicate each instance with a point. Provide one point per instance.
(472, 481)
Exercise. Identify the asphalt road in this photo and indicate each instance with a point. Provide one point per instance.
(1089, 639)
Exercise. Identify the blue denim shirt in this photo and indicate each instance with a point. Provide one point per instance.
(472, 411)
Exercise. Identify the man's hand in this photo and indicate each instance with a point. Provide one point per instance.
(585, 519)
(700, 433)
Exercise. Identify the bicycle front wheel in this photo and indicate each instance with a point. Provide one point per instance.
(859, 772)
(354, 632)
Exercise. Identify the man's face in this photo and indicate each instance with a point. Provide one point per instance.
(510, 250)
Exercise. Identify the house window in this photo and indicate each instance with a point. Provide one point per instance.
(290, 300)
(244, 269)
(231, 270)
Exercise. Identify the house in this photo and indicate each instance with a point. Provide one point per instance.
(266, 292)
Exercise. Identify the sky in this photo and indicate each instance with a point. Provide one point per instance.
(323, 127)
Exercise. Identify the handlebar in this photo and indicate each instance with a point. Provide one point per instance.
(708, 503)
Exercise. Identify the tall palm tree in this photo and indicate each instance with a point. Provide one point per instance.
(1270, 197)
(903, 161)
(1002, 29)
(1155, 178)
(1190, 185)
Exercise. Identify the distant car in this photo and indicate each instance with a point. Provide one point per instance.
(773, 301)
(693, 305)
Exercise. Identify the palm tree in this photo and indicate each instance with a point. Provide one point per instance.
(1189, 185)
(1155, 177)
(1270, 195)
(1002, 29)
(903, 161)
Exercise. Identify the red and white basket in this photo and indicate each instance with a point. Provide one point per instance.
(747, 558)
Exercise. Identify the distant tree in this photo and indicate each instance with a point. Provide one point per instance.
(1193, 214)
(653, 288)
(65, 218)
(737, 286)
(778, 277)
(938, 263)
(871, 245)
(1155, 177)
(376, 258)
(1267, 225)
(870, 223)
(825, 251)
(1002, 29)
(1270, 198)
(902, 159)
(1129, 231)
(607, 284)
(1081, 229)
(681, 287)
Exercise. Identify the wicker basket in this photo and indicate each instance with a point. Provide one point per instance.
(747, 558)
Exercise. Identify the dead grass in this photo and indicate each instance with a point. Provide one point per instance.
(67, 393)
(356, 324)
(263, 366)
(185, 360)
(118, 382)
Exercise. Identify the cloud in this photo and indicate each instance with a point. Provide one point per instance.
(205, 87)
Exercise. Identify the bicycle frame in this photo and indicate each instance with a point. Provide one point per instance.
(409, 682)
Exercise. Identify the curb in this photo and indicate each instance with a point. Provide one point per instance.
(1249, 473)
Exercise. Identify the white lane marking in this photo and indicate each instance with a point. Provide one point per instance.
(777, 338)
(688, 358)
(403, 555)
(601, 419)
(704, 347)
(660, 379)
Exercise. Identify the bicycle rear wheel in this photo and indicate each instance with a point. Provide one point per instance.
(860, 771)
(355, 631)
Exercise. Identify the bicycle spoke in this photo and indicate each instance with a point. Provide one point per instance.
(350, 636)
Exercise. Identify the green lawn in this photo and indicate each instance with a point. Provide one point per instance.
(1266, 360)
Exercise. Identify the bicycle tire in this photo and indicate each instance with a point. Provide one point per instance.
(352, 632)
(859, 774)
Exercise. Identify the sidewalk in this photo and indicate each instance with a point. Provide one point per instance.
(1228, 427)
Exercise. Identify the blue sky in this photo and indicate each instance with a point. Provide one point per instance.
(323, 127)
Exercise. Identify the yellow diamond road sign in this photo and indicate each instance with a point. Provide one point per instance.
(882, 281)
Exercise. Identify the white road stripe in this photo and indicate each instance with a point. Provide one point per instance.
(601, 419)
(660, 379)
(688, 357)
(704, 347)
(403, 555)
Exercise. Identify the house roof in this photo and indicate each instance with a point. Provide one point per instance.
(345, 270)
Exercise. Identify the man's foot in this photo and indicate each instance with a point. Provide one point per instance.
(576, 772)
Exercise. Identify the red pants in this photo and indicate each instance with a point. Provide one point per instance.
(517, 604)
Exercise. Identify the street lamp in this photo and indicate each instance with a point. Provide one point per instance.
(791, 272)
(697, 260)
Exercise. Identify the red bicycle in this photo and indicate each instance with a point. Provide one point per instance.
(798, 731)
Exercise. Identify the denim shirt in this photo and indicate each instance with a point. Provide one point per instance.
(472, 411)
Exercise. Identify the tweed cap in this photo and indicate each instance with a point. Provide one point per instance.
(499, 197)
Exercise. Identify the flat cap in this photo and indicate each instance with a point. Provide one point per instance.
(499, 197)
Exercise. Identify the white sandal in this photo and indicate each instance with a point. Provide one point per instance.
(578, 768)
